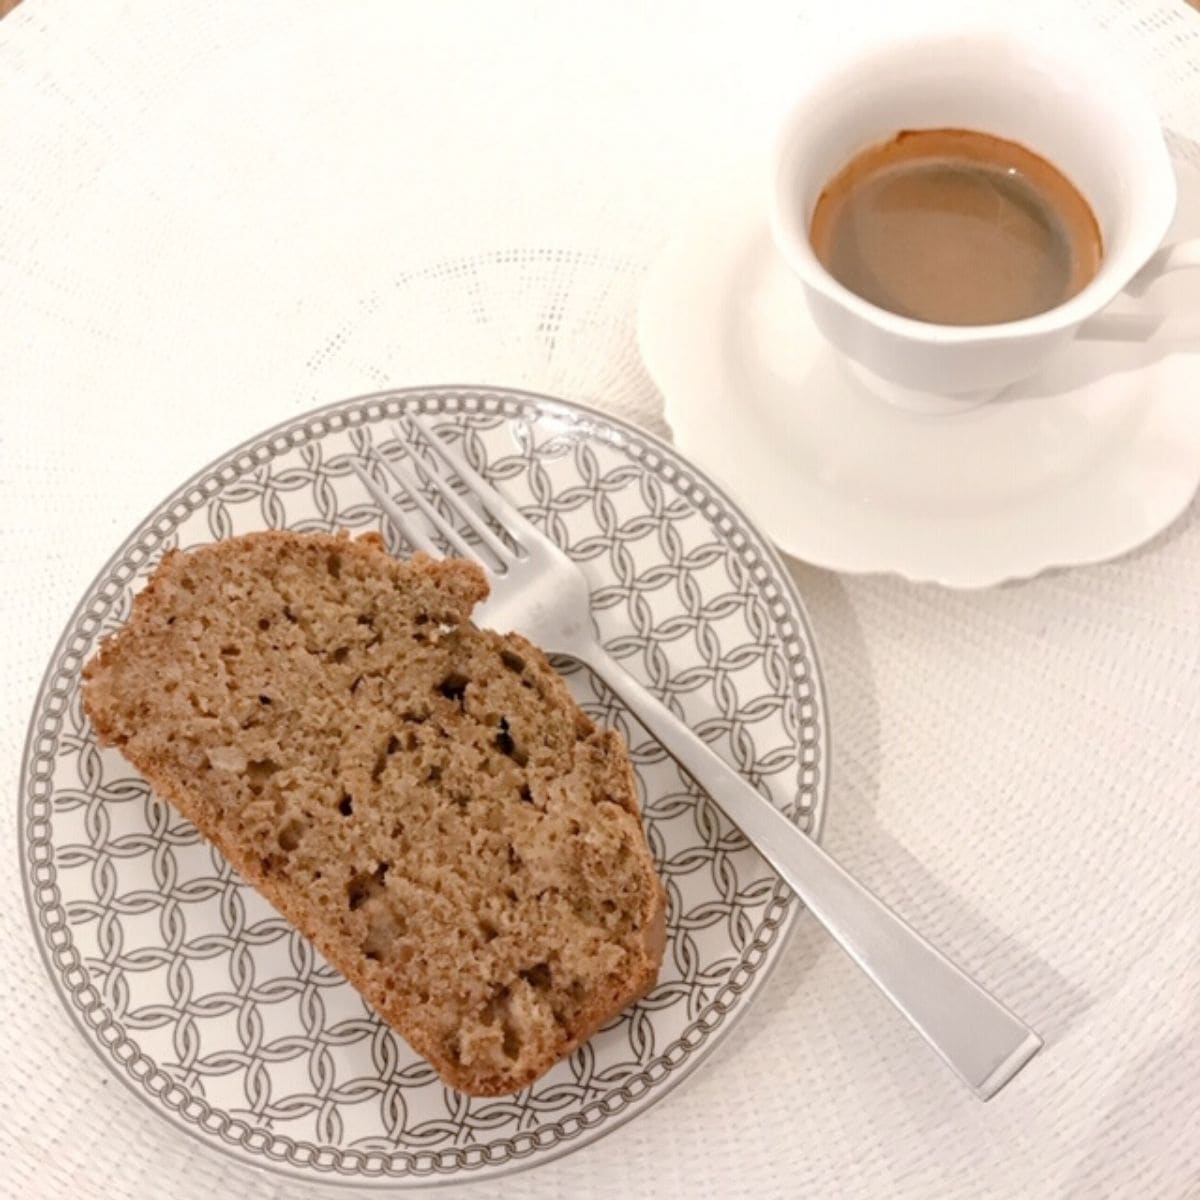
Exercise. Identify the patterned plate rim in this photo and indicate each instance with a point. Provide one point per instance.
(104, 1035)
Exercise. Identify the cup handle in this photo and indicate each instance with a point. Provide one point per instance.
(1140, 326)
(1163, 261)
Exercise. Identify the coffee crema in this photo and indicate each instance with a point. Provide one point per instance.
(956, 227)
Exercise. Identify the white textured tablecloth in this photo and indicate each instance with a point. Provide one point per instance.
(216, 215)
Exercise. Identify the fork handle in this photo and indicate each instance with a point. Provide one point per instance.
(982, 1041)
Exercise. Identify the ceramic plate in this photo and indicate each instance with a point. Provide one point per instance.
(222, 1018)
(1082, 463)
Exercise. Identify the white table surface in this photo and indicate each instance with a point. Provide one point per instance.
(213, 216)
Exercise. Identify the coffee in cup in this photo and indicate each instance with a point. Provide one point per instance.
(1070, 107)
(956, 227)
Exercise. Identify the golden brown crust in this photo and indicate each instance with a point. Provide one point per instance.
(422, 799)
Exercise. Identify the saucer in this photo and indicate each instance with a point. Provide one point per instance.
(1084, 462)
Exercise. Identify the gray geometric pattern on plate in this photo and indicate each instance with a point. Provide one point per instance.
(209, 1005)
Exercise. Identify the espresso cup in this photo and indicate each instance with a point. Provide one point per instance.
(1068, 104)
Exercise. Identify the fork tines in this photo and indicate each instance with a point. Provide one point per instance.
(426, 487)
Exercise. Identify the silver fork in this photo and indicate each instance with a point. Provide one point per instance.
(539, 592)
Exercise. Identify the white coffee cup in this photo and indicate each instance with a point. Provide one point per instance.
(1067, 103)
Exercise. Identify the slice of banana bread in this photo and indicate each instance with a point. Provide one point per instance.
(422, 798)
